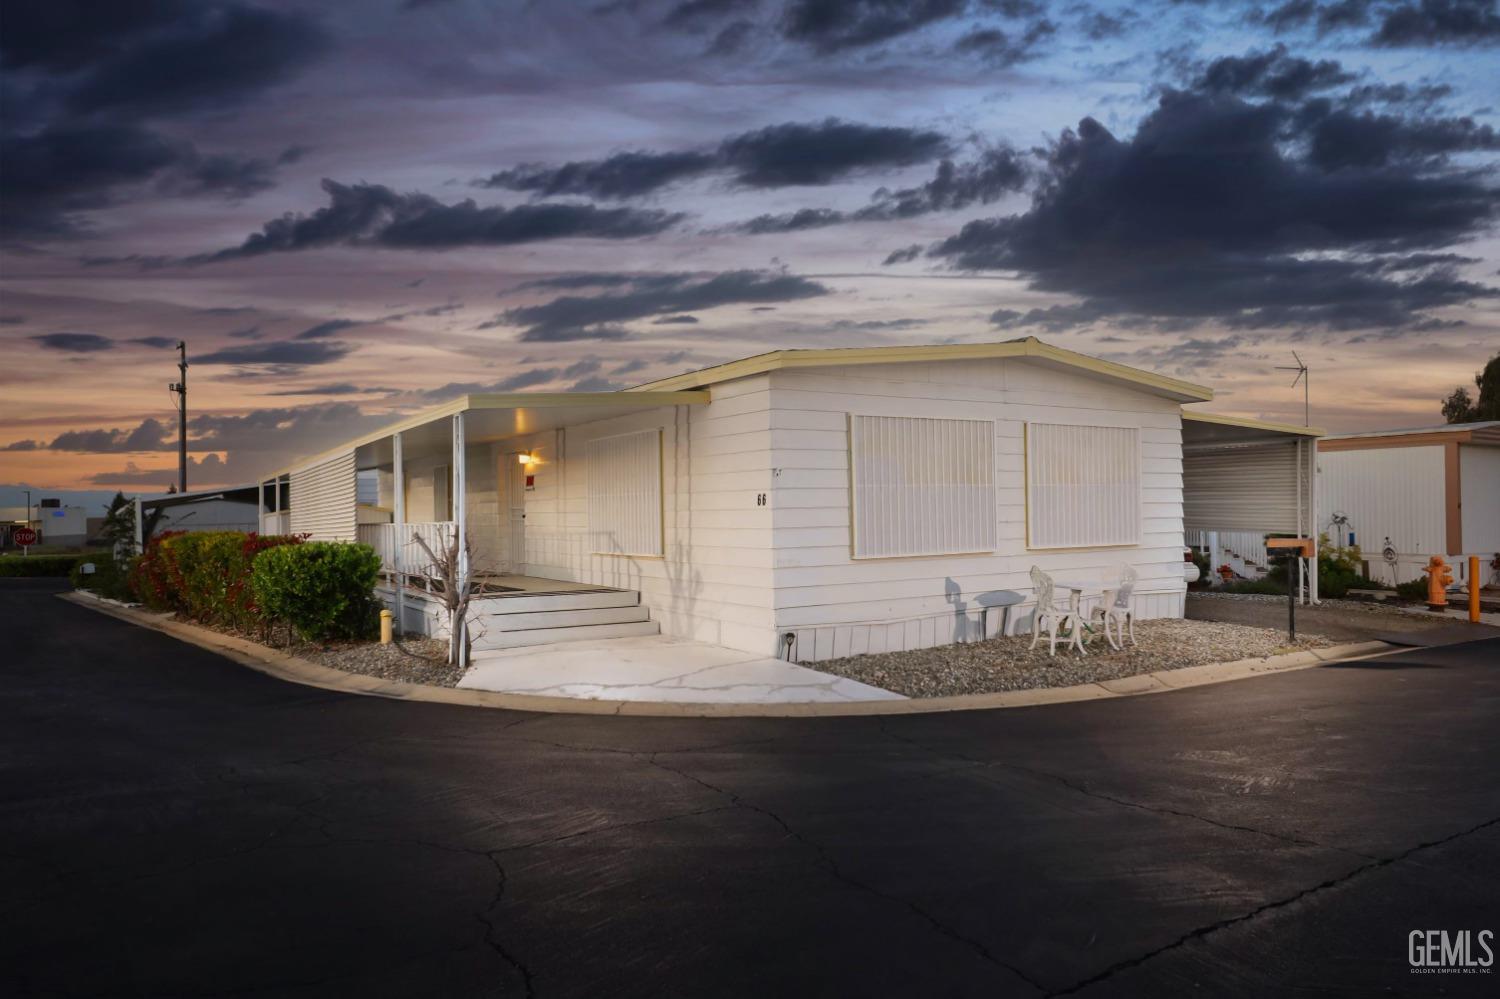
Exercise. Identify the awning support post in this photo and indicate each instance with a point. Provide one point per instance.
(398, 531)
(460, 533)
(140, 527)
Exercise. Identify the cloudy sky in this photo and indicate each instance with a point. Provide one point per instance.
(352, 210)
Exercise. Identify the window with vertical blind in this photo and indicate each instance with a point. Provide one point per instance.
(921, 486)
(624, 491)
(1083, 486)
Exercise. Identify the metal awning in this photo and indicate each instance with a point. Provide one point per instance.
(1213, 430)
(235, 494)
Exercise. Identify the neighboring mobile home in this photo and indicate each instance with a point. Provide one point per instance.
(844, 500)
(1422, 492)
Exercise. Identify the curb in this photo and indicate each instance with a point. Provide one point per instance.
(285, 667)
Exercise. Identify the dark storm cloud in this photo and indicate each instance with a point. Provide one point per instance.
(1342, 138)
(623, 175)
(904, 255)
(74, 343)
(53, 175)
(996, 173)
(791, 154)
(149, 435)
(155, 341)
(1440, 22)
(831, 25)
(375, 215)
(211, 56)
(1271, 73)
(675, 321)
(1002, 48)
(1204, 213)
(339, 388)
(576, 317)
(692, 14)
(530, 378)
(295, 353)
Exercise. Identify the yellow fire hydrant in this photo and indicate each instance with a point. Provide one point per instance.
(385, 627)
(1439, 578)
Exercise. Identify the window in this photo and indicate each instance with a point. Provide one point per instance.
(922, 487)
(442, 494)
(1083, 486)
(624, 489)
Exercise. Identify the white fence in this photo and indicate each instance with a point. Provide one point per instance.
(387, 539)
(1243, 551)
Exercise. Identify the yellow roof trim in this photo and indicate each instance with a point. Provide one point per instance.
(1241, 421)
(827, 357)
(498, 400)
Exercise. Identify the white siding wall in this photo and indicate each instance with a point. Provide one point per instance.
(1479, 481)
(837, 605)
(1392, 492)
(713, 581)
(323, 499)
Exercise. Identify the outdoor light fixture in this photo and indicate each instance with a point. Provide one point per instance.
(525, 458)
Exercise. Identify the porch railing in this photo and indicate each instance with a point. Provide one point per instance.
(387, 539)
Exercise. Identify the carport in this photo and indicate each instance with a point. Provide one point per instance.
(1243, 480)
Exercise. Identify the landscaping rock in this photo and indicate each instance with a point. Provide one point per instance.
(1007, 664)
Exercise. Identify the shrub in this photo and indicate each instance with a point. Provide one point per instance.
(321, 589)
(1265, 585)
(39, 565)
(154, 579)
(110, 578)
(1412, 589)
(204, 575)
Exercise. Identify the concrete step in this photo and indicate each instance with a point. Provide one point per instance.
(539, 602)
(547, 636)
(571, 618)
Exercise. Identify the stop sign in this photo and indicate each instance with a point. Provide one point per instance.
(23, 536)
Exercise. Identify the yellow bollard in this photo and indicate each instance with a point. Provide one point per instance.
(1474, 588)
(385, 627)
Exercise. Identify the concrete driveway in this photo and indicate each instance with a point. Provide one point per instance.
(174, 824)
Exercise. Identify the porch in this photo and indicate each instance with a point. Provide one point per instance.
(462, 480)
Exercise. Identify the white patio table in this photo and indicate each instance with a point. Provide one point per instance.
(1077, 590)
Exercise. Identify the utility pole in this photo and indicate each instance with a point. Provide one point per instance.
(180, 387)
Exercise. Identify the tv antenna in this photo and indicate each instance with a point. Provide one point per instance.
(1305, 378)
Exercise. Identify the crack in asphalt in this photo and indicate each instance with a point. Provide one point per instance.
(827, 861)
(1204, 931)
(492, 930)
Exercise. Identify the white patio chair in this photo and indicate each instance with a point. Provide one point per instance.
(1120, 610)
(1047, 613)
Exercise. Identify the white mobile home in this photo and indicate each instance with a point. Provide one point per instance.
(844, 501)
(1422, 492)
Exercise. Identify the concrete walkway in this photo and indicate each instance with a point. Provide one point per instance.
(659, 668)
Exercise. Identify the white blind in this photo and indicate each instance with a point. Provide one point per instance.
(922, 487)
(1083, 486)
(624, 487)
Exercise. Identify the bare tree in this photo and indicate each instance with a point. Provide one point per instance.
(457, 590)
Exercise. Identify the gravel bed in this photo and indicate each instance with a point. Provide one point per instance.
(1365, 606)
(1006, 664)
(413, 660)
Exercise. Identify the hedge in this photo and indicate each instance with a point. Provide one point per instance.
(320, 589)
(205, 576)
(40, 565)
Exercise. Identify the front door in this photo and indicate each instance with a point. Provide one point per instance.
(513, 474)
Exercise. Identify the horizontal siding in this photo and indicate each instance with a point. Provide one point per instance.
(835, 603)
(323, 500)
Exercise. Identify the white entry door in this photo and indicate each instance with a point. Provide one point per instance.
(513, 474)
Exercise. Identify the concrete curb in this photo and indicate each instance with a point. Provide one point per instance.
(295, 670)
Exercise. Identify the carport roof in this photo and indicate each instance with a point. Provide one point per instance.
(1215, 429)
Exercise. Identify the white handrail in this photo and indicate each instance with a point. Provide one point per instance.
(385, 538)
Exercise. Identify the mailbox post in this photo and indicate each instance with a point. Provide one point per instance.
(1297, 549)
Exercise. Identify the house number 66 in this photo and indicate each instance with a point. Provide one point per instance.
(760, 499)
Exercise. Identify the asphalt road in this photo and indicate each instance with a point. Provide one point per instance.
(172, 824)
